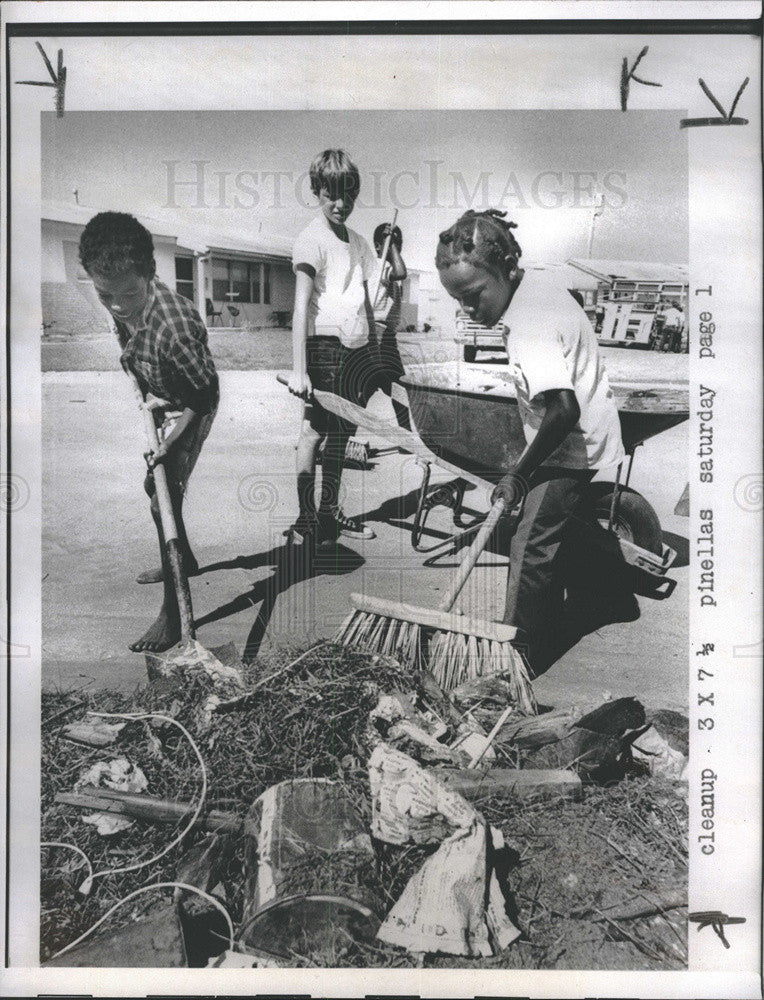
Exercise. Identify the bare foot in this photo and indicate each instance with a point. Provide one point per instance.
(163, 634)
(190, 568)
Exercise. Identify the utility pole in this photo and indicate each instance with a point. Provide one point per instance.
(596, 211)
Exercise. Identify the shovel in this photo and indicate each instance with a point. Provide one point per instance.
(188, 653)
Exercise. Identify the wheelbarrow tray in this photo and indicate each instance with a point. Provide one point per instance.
(471, 418)
(436, 445)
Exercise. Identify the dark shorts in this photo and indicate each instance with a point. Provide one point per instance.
(183, 456)
(353, 374)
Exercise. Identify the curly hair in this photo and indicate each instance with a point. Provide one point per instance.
(114, 243)
(483, 239)
(334, 171)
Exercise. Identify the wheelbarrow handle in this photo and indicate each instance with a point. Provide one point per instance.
(285, 381)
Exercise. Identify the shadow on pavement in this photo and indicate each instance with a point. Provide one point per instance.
(681, 546)
(292, 564)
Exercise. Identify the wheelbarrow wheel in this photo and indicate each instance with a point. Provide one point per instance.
(635, 519)
(470, 353)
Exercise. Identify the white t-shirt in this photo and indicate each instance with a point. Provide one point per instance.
(551, 345)
(336, 307)
(673, 317)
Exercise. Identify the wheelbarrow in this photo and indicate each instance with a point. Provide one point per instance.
(470, 421)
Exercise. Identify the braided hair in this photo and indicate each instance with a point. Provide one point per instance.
(483, 239)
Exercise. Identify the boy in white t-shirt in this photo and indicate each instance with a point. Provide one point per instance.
(332, 325)
(570, 418)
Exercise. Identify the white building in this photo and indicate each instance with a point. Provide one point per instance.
(232, 281)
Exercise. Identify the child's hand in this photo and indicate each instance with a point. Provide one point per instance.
(156, 402)
(397, 239)
(512, 489)
(300, 385)
(153, 458)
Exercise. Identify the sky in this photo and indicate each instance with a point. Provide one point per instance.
(142, 110)
(238, 170)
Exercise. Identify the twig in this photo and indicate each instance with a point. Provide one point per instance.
(64, 711)
(743, 85)
(627, 75)
(667, 840)
(492, 735)
(535, 901)
(242, 699)
(622, 930)
(615, 847)
(712, 99)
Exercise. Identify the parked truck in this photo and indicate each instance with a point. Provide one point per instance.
(474, 337)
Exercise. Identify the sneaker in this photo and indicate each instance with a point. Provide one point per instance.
(305, 527)
(337, 523)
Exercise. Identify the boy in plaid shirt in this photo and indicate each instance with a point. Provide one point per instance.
(164, 344)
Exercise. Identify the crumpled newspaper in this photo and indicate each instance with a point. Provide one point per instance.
(395, 717)
(119, 774)
(654, 751)
(444, 907)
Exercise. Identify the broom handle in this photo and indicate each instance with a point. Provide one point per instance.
(383, 259)
(169, 528)
(473, 554)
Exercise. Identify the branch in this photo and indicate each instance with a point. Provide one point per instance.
(712, 99)
(647, 83)
(41, 50)
(743, 85)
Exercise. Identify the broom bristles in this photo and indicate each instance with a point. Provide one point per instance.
(452, 657)
(379, 634)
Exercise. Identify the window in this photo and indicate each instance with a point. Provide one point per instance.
(251, 281)
(184, 277)
(266, 299)
(240, 281)
(220, 280)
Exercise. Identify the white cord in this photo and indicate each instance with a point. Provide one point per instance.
(71, 847)
(88, 883)
(149, 888)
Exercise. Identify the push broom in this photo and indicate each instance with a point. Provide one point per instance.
(455, 648)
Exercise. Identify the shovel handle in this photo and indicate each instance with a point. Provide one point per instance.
(169, 527)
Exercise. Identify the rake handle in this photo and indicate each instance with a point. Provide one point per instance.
(169, 527)
(383, 259)
(473, 554)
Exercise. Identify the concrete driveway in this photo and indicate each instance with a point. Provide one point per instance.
(97, 535)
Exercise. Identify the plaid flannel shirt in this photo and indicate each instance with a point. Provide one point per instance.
(168, 352)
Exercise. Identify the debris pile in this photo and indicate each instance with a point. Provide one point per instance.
(341, 811)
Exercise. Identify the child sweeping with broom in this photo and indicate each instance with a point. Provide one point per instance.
(570, 419)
